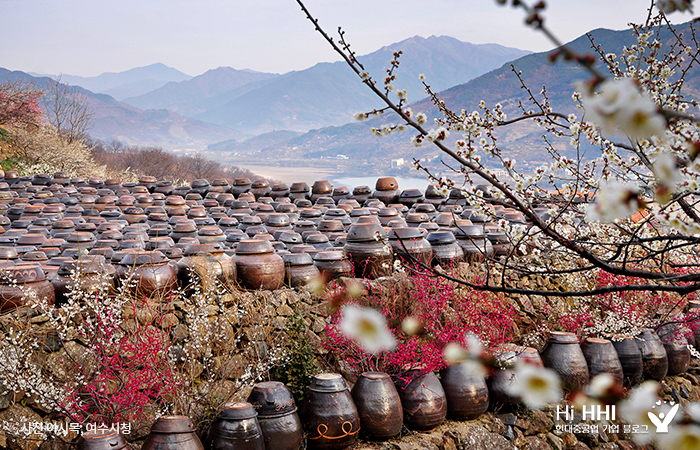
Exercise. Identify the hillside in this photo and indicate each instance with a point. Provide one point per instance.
(116, 120)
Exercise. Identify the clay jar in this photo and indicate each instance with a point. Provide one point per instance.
(236, 428)
(172, 432)
(501, 379)
(150, 271)
(422, 399)
(101, 439)
(88, 274)
(466, 392)
(329, 414)
(206, 264)
(631, 360)
(408, 243)
(332, 263)
(653, 353)
(446, 250)
(258, 266)
(379, 406)
(20, 281)
(601, 357)
(277, 416)
(675, 345)
(387, 190)
(564, 355)
(368, 251)
(299, 269)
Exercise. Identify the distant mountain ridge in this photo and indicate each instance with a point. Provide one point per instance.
(116, 120)
(129, 83)
(521, 142)
(325, 94)
(191, 97)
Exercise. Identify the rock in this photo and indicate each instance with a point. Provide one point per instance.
(478, 438)
(569, 440)
(21, 415)
(72, 359)
(285, 311)
(535, 443)
(319, 325)
(685, 393)
(508, 434)
(581, 446)
(608, 446)
(555, 442)
(211, 310)
(145, 315)
(508, 419)
(39, 319)
(447, 443)
(180, 333)
(168, 321)
(5, 397)
(539, 423)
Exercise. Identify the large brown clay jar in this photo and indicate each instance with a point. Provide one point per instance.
(653, 355)
(258, 266)
(149, 271)
(601, 357)
(423, 400)
(206, 264)
(564, 355)
(466, 392)
(676, 348)
(329, 414)
(172, 433)
(367, 248)
(277, 416)
(631, 360)
(19, 282)
(299, 269)
(379, 406)
(236, 428)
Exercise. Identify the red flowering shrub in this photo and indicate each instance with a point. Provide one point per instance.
(447, 311)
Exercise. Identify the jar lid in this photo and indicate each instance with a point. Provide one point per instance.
(563, 337)
(328, 382)
(237, 411)
(173, 424)
(272, 399)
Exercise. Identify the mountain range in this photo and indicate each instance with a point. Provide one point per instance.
(129, 83)
(322, 95)
(522, 141)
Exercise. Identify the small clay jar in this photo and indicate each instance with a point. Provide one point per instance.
(630, 359)
(149, 271)
(277, 416)
(409, 244)
(676, 348)
(236, 428)
(601, 357)
(205, 265)
(172, 432)
(423, 400)
(333, 263)
(329, 414)
(299, 269)
(446, 250)
(653, 355)
(101, 439)
(379, 406)
(564, 355)
(466, 392)
(258, 266)
(500, 381)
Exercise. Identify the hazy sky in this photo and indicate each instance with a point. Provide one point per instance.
(88, 37)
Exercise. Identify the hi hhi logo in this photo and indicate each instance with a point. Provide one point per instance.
(663, 420)
(593, 412)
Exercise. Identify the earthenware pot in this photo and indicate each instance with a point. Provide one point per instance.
(236, 428)
(172, 433)
(277, 416)
(379, 406)
(564, 355)
(423, 400)
(466, 391)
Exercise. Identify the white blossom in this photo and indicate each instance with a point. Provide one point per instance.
(670, 6)
(615, 200)
(535, 386)
(367, 327)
